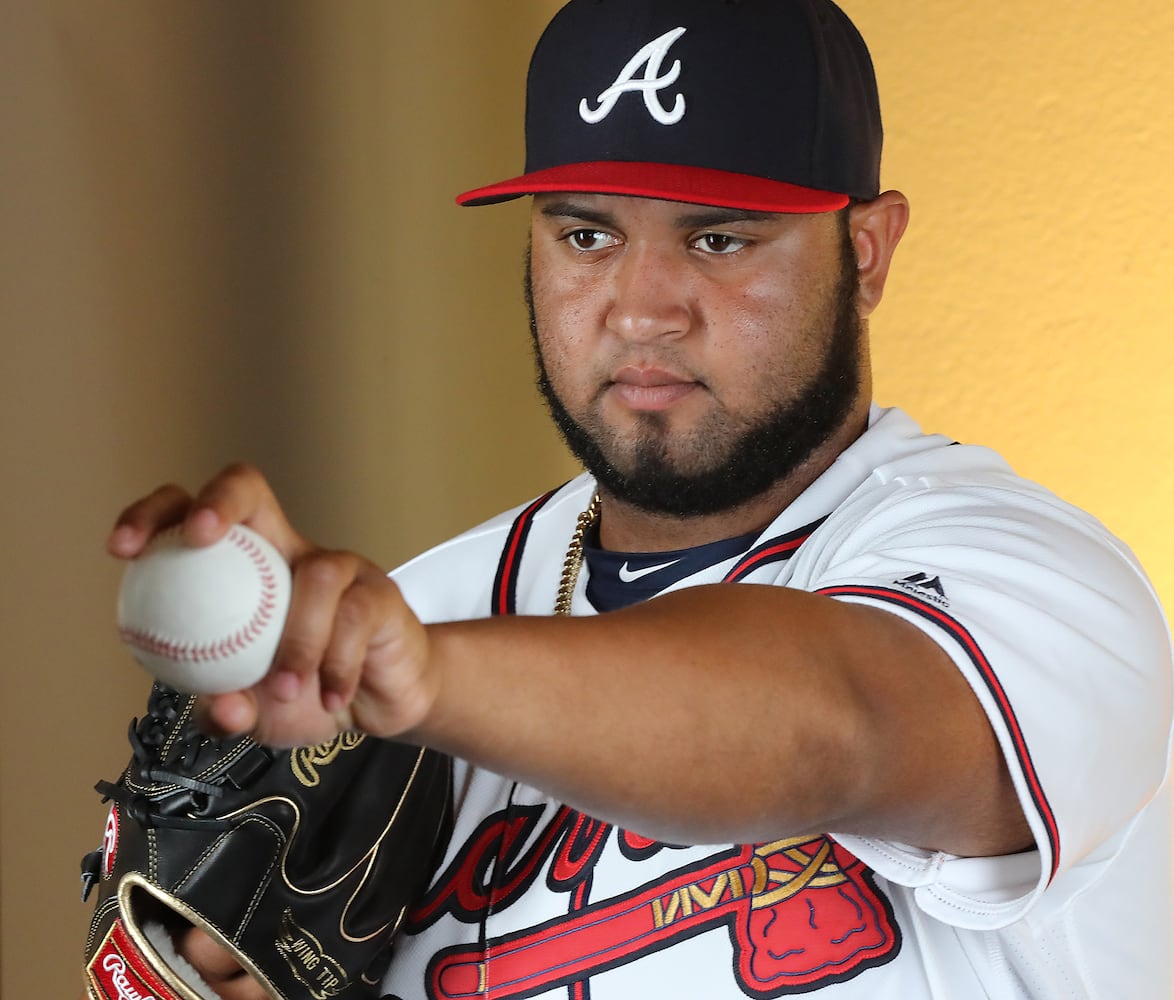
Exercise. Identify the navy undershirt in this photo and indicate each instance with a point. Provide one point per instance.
(618, 579)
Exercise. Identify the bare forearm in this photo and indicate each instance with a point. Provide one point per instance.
(691, 718)
(657, 737)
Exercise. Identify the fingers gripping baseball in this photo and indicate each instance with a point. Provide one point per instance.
(146, 517)
(351, 655)
(239, 494)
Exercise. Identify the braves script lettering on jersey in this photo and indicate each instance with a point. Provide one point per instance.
(1061, 638)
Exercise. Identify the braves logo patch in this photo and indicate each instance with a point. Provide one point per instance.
(651, 56)
(799, 913)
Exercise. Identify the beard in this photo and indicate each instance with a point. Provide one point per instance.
(758, 455)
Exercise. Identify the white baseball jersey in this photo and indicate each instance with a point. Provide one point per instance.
(1057, 631)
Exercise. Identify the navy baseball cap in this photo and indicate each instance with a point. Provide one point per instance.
(765, 105)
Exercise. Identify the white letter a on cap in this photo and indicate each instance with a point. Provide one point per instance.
(650, 57)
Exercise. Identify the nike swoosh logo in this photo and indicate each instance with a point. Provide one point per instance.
(630, 575)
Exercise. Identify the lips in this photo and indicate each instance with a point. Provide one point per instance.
(650, 388)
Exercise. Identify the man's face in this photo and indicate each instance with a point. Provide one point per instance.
(692, 357)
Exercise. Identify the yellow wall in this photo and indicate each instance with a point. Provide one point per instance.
(1031, 305)
(227, 232)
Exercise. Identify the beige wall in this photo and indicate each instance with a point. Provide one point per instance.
(227, 231)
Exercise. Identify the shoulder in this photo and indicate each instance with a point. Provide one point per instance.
(926, 490)
(455, 579)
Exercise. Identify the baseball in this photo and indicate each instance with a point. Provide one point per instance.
(205, 620)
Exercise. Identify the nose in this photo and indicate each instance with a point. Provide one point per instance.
(650, 294)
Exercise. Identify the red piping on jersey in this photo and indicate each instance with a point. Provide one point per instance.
(505, 584)
(774, 550)
(990, 678)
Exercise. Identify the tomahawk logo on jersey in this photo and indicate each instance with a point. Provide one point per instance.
(797, 912)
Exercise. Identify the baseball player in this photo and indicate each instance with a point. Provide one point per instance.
(781, 695)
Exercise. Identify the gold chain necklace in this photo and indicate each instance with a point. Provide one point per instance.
(573, 562)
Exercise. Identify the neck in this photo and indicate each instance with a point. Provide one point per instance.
(625, 528)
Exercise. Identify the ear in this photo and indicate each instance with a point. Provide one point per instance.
(876, 227)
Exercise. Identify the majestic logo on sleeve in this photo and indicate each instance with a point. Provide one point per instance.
(799, 913)
(927, 587)
(650, 84)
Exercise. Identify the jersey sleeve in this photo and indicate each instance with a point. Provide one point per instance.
(1060, 636)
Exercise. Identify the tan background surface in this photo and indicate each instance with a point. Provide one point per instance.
(227, 231)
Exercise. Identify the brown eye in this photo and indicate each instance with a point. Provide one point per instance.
(588, 239)
(719, 243)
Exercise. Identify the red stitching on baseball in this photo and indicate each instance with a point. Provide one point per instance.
(218, 648)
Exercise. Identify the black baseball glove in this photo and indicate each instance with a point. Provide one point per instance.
(300, 862)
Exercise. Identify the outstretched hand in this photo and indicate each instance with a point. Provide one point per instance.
(352, 655)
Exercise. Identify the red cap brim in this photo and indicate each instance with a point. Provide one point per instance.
(666, 181)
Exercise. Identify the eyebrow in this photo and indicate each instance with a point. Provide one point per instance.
(707, 216)
(570, 210)
(722, 217)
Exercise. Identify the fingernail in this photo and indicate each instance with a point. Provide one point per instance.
(285, 685)
(202, 522)
(123, 540)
